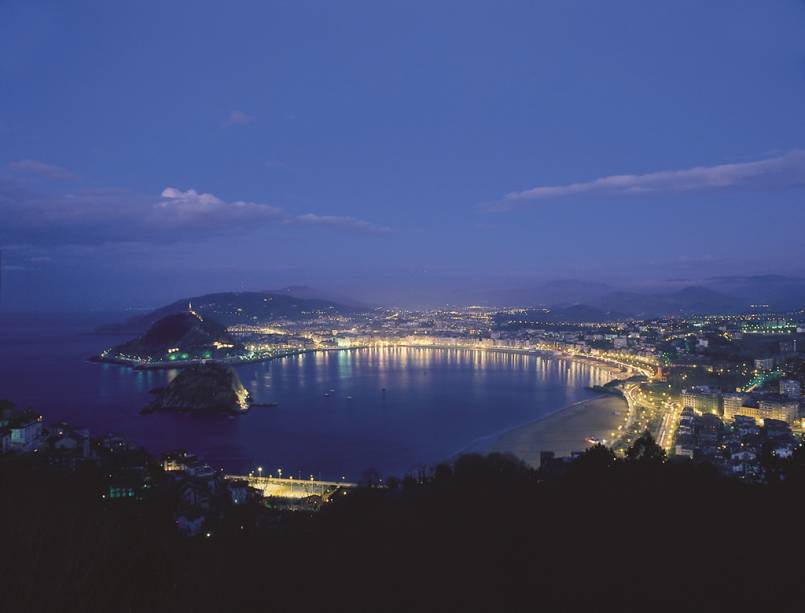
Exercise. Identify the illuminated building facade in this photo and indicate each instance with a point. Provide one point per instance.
(782, 410)
(702, 400)
(733, 404)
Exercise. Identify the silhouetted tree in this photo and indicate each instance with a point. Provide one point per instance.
(371, 477)
(594, 464)
(646, 450)
(6, 406)
(480, 534)
(771, 464)
(442, 472)
(793, 468)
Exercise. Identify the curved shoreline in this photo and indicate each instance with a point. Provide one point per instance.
(478, 445)
(562, 432)
(614, 368)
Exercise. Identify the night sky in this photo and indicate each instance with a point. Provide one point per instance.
(394, 151)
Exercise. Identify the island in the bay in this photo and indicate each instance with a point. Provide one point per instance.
(208, 388)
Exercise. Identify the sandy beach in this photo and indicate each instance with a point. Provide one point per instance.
(561, 432)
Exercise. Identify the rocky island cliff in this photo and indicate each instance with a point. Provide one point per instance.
(202, 389)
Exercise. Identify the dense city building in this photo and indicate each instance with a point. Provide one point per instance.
(702, 399)
(790, 388)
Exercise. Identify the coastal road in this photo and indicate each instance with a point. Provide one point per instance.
(630, 394)
(665, 437)
(631, 400)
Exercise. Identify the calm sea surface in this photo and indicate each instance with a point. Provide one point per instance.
(436, 401)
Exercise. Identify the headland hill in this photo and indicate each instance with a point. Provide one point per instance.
(176, 339)
(228, 328)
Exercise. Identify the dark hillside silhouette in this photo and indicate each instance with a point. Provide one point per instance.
(481, 534)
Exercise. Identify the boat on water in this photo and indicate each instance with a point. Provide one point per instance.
(593, 440)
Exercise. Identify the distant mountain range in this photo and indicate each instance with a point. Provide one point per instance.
(230, 308)
(309, 293)
(572, 299)
(568, 300)
(560, 292)
(780, 292)
(691, 300)
(576, 313)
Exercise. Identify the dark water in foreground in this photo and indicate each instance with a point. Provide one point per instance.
(436, 401)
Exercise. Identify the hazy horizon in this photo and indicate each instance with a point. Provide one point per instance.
(786, 291)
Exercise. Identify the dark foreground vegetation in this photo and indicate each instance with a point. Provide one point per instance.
(482, 534)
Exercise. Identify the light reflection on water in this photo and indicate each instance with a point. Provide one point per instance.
(435, 401)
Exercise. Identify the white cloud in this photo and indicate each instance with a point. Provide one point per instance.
(183, 208)
(784, 170)
(345, 223)
(191, 209)
(238, 118)
(49, 171)
(89, 217)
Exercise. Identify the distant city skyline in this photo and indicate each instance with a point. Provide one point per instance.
(395, 154)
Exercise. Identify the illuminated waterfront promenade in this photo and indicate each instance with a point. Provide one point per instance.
(311, 343)
(282, 487)
(615, 360)
(601, 359)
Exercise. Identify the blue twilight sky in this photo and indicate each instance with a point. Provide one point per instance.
(395, 151)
